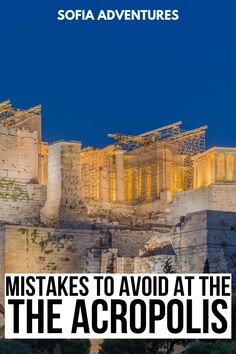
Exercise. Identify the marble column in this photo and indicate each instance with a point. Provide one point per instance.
(119, 175)
(104, 184)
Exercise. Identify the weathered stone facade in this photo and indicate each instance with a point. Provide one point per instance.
(161, 206)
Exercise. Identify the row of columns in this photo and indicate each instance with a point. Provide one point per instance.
(215, 167)
(225, 167)
(104, 183)
(159, 178)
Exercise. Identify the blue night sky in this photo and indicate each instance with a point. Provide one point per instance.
(94, 78)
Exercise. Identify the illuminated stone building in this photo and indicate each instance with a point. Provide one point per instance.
(137, 205)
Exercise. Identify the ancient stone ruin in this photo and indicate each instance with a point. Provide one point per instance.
(157, 202)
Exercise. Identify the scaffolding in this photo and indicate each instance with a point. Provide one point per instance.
(164, 164)
(186, 142)
(135, 169)
(98, 172)
(14, 117)
(141, 167)
(131, 142)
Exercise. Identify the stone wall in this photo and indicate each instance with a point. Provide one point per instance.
(20, 202)
(220, 196)
(129, 242)
(43, 163)
(40, 249)
(64, 204)
(155, 207)
(19, 155)
(109, 212)
(205, 241)
(31, 121)
(46, 250)
(222, 242)
(151, 264)
(189, 240)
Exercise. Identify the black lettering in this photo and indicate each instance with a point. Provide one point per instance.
(121, 316)
(80, 307)
(52, 315)
(31, 290)
(95, 305)
(84, 291)
(153, 317)
(133, 316)
(205, 316)
(179, 289)
(179, 316)
(35, 316)
(190, 328)
(12, 286)
(16, 304)
(220, 317)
